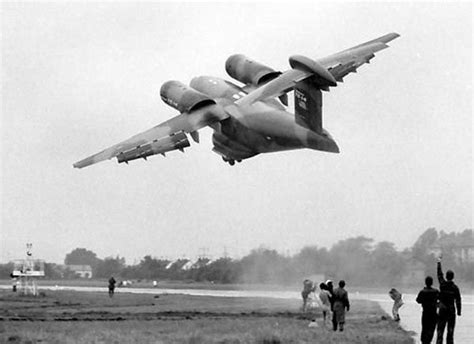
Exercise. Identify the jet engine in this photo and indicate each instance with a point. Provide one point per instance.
(249, 71)
(183, 98)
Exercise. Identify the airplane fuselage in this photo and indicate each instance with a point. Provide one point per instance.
(261, 127)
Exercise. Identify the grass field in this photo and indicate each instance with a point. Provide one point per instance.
(80, 317)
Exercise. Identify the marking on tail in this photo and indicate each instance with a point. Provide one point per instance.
(308, 106)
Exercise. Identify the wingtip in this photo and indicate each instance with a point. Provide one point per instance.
(385, 38)
(83, 163)
(391, 36)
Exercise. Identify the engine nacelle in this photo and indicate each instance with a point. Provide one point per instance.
(183, 98)
(249, 71)
(321, 76)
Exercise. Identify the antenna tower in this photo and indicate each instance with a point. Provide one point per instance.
(26, 271)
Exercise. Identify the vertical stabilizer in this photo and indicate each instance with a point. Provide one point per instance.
(308, 106)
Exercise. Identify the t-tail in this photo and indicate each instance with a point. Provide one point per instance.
(309, 114)
(308, 106)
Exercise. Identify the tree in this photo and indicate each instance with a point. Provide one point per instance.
(351, 259)
(150, 268)
(110, 267)
(423, 244)
(387, 264)
(312, 260)
(81, 256)
(53, 271)
(6, 270)
(223, 270)
(266, 266)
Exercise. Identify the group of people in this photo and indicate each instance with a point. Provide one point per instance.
(331, 300)
(439, 307)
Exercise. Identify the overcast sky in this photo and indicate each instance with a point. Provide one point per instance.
(77, 78)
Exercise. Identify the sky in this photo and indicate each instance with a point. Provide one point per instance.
(79, 77)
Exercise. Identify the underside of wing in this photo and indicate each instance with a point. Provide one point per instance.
(165, 137)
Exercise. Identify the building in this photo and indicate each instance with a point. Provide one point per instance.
(463, 252)
(178, 264)
(84, 271)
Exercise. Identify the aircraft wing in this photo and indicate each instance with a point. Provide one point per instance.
(165, 137)
(347, 61)
(338, 65)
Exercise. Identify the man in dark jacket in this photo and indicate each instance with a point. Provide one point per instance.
(111, 286)
(428, 298)
(449, 301)
(341, 303)
(330, 288)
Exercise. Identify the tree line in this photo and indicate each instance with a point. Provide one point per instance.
(359, 260)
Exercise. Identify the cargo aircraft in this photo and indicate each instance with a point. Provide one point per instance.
(250, 119)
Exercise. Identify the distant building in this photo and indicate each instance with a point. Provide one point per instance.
(188, 265)
(463, 252)
(84, 271)
(170, 264)
(178, 264)
(200, 263)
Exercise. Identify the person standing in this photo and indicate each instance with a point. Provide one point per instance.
(325, 297)
(330, 289)
(340, 304)
(428, 298)
(449, 302)
(111, 286)
(397, 303)
(308, 288)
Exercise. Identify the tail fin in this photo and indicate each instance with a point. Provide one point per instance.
(308, 106)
